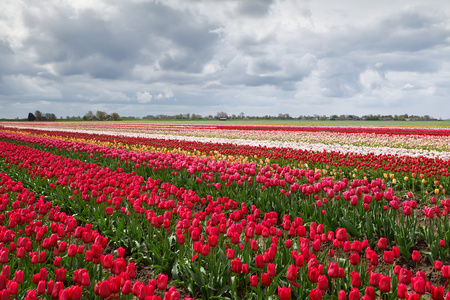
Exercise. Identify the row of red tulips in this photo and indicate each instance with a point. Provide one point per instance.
(52, 257)
(428, 167)
(288, 180)
(235, 217)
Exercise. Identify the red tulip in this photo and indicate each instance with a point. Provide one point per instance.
(31, 294)
(438, 265)
(85, 280)
(126, 289)
(356, 279)
(404, 276)
(13, 288)
(40, 287)
(401, 290)
(172, 294)
(354, 259)
(131, 270)
(292, 273)
(265, 279)
(60, 274)
(316, 245)
(254, 280)
(118, 266)
(284, 293)
(416, 256)
(313, 275)
(104, 289)
(418, 285)
(230, 254)
(333, 270)
(162, 282)
(369, 293)
(271, 270)
(72, 250)
(389, 257)
(315, 294)
(374, 279)
(300, 260)
(236, 265)
(385, 283)
(259, 261)
(245, 268)
(56, 289)
(107, 261)
(354, 294)
(322, 283)
(50, 286)
(18, 276)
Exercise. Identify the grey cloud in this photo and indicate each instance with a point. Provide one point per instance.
(254, 8)
(406, 31)
(141, 33)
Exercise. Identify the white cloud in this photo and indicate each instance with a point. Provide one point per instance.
(144, 97)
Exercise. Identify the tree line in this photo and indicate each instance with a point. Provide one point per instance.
(103, 116)
(89, 116)
(38, 116)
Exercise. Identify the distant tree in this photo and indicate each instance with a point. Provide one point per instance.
(31, 117)
(50, 117)
(88, 116)
(38, 115)
(101, 115)
(241, 115)
(196, 117)
(222, 115)
(115, 116)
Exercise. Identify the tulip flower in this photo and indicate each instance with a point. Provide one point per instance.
(254, 280)
(271, 270)
(284, 293)
(313, 275)
(415, 256)
(333, 270)
(322, 283)
(236, 265)
(385, 284)
(437, 293)
(354, 259)
(265, 279)
(354, 294)
(418, 285)
(60, 274)
(355, 279)
(374, 279)
(315, 294)
(389, 257)
(369, 293)
(292, 273)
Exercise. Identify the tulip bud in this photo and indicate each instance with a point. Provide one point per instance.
(284, 293)
(415, 256)
(254, 280)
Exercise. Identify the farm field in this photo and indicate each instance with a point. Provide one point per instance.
(223, 211)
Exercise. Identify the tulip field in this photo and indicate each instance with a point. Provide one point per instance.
(217, 211)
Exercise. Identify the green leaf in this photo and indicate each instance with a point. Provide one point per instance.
(351, 228)
(174, 270)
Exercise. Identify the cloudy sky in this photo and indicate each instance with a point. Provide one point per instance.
(259, 57)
